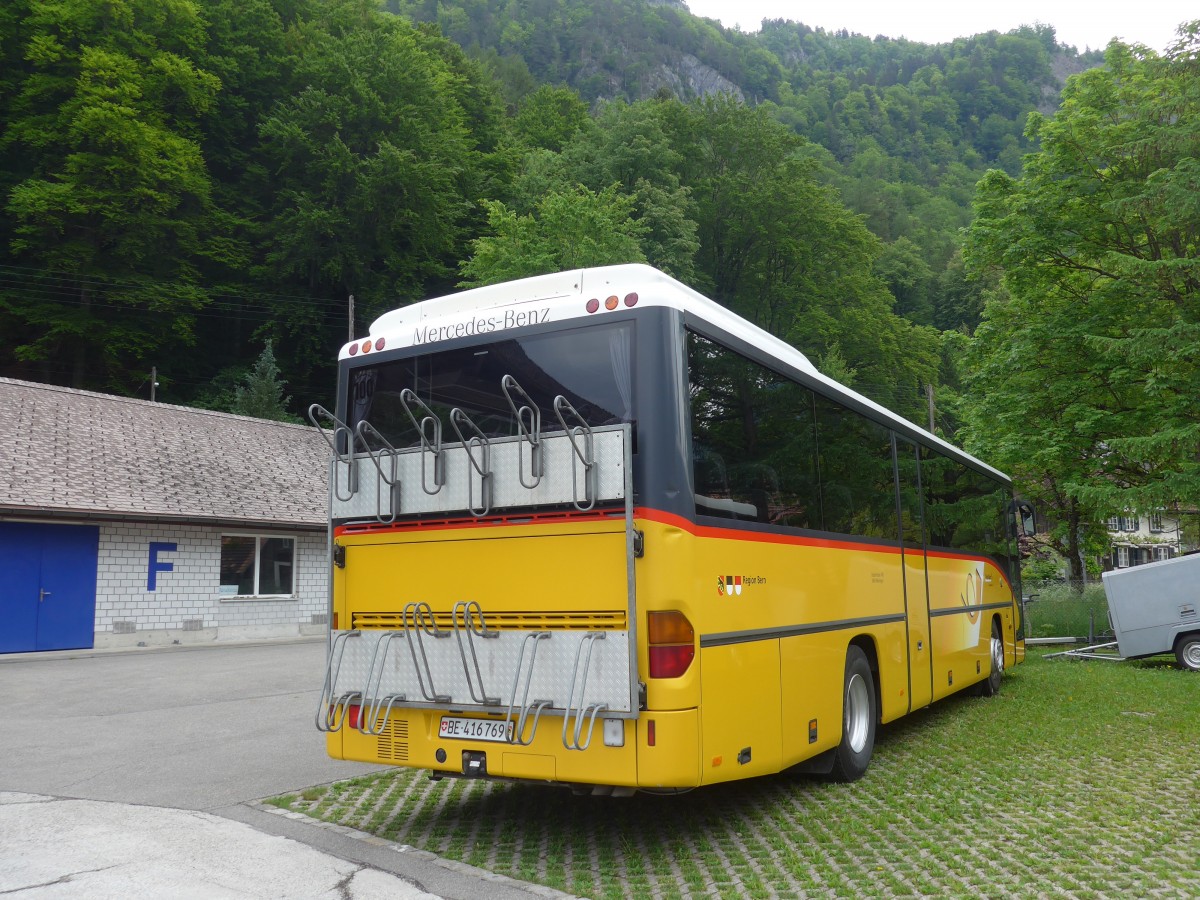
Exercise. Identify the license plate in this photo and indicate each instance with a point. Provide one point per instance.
(497, 730)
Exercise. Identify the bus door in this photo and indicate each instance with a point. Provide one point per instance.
(916, 581)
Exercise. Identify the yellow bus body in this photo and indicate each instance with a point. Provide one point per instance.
(773, 616)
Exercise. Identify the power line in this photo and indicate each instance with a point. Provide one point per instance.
(33, 273)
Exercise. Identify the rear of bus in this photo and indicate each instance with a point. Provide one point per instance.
(489, 453)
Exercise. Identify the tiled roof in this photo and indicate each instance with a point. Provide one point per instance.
(68, 451)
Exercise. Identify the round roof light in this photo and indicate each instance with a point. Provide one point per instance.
(379, 344)
(611, 302)
(366, 346)
(631, 299)
(353, 349)
(593, 305)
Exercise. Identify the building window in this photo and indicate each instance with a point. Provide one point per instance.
(1156, 522)
(1114, 523)
(1122, 557)
(1129, 523)
(1161, 553)
(257, 566)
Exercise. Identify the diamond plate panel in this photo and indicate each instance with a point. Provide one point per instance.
(558, 662)
(562, 481)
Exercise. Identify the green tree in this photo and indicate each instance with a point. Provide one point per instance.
(627, 145)
(369, 165)
(568, 230)
(1087, 365)
(113, 217)
(261, 392)
(550, 117)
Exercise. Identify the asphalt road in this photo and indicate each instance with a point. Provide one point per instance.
(179, 741)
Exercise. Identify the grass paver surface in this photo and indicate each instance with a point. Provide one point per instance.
(1081, 779)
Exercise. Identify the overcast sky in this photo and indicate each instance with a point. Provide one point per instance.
(1083, 24)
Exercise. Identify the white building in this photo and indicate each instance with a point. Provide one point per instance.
(125, 522)
(1143, 539)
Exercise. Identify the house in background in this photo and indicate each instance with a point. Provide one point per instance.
(1137, 540)
(127, 522)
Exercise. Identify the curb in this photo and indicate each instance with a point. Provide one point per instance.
(452, 865)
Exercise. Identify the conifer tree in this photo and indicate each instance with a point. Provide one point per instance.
(261, 392)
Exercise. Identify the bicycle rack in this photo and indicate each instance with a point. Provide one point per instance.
(316, 412)
(472, 613)
(364, 428)
(431, 444)
(369, 721)
(573, 743)
(537, 705)
(533, 434)
(587, 456)
(423, 623)
(328, 708)
(483, 465)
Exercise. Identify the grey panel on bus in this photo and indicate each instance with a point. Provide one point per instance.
(562, 482)
(607, 676)
(1150, 605)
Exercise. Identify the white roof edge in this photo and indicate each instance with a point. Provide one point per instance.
(660, 290)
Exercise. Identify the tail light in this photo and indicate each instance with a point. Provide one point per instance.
(672, 643)
(353, 715)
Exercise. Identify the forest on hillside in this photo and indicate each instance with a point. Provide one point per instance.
(199, 187)
(186, 180)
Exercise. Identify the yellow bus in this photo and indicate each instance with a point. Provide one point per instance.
(594, 529)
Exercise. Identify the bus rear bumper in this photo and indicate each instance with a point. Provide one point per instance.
(658, 750)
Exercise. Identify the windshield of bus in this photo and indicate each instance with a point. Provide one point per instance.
(591, 367)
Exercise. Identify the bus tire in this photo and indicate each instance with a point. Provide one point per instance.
(859, 715)
(1187, 651)
(991, 686)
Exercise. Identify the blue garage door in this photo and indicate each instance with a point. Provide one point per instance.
(47, 586)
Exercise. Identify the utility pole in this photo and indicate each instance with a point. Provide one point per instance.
(351, 318)
(153, 381)
(929, 395)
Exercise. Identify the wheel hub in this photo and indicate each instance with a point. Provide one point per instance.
(858, 713)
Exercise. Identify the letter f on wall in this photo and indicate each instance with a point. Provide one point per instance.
(157, 565)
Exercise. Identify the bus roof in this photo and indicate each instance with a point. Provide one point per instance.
(585, 294)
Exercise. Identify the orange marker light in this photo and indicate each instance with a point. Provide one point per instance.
(611, 302)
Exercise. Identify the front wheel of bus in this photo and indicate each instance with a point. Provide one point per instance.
(853, 754)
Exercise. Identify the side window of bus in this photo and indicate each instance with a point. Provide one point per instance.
(752, 440)
(858, 493)
(964, 509)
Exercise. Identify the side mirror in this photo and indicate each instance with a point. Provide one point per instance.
(1025, 523)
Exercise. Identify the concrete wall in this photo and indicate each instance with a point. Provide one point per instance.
(186, 605)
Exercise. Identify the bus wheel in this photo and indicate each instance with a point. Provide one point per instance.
(853, 754)
(991, 687)
(1187, 651)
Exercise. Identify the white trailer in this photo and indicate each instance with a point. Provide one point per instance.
(1153, 609)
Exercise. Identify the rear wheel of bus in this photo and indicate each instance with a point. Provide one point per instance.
(859, 715)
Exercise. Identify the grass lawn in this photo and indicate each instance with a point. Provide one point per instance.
(1081, 779)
